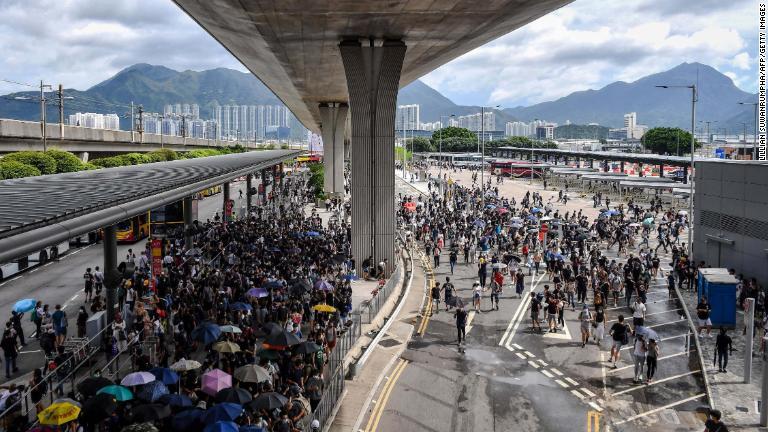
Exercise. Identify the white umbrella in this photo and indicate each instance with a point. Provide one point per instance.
(683, 213)
(186, 365)
(499, 266)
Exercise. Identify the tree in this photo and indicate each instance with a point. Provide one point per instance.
(420, 145)
(460, 138)
(670, 141)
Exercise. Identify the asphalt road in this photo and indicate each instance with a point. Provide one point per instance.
(511, 378)
(61, 283)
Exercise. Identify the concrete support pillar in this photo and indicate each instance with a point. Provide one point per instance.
(225, 201)
(566, 160)
(578, 162)
(264, 186)
(83, 156)
(640, 169)
(591, 163)
(661, 170)
(621, 166)
(685, 178)
(248, 195)
(188, 222)
(606, 164)
(333, 119)
(111, 278)
(372, 68)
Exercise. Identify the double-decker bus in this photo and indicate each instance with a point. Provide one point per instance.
(517, 168)
(133, 229)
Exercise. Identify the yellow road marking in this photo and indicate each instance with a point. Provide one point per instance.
(593, 421)
(373, 421)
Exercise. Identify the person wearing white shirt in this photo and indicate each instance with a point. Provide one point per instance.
(638, 312)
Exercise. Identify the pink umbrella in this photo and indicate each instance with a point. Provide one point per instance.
(215, 381)
(502, 210)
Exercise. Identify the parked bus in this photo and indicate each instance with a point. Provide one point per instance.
(517, 169)
(169, 218)
(133, 229)
(33, 260)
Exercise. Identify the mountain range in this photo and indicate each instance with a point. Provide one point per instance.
(155, 86)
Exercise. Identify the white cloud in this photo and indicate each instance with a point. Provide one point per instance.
(591, 43)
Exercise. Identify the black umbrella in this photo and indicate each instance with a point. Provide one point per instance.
(307, 347)
(267, 401)
(233, 394)
(282, 338)
(91, 385)
(98, 408)
(515, 258)
(338, 258)
(151, 412)
(272, 327)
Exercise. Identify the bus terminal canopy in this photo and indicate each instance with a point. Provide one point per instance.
(36, 212)
(647, 158)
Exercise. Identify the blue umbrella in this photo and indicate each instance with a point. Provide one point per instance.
(536, 210)
(273, 249)
(187, 419)
(25, 305)
(312, 233)
(531, 218)
(152, 391)
(222, 412)
(479, 223)
(207, 333)
(273, 284)
(323, 285)
(350, 277)
(490, 206)
(176, 400)
(222, 426)
(165, 375)
(240, 306)
(257, 292)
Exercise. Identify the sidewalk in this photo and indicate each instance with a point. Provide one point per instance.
(737, 400)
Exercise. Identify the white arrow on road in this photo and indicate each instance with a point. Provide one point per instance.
(470, 316)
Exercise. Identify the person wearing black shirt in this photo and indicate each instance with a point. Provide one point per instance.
(724, 347)
(702, 312)
(461, 323)
(713, 423)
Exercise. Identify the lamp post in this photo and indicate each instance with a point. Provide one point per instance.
(754, 142)
(482, 156)
(694, 98)
(535, 122)
(440, 170)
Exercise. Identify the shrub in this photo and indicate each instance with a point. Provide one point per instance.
(44, 163)
(270, 146)
(65, 161)
(135, 159)
(89, 166)
(10, 169)
(109, 162)
(284, 146)
(162, 155)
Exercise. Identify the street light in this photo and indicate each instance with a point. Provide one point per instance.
(535, 122)
(754, 143)
(694, 98)
(440, 170)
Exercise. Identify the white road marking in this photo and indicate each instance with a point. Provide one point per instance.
(46, 265)
(517, 346)
(562, 383)
(470, 317)
(543, 363)
(578, 394)
(651, 314)
(34, 270)
(596, 407)
(588, 392)
(660, 340)
(520, 355)
(631, 389)
(519, 315)
(565, 335)
(658, 359)
(557, 372)
(29, 352)
(602, 371)
(572, 381)
(546, 373)
(534, 365)
(530, 354)
(666, 323)
(662, 408)
(74, 297)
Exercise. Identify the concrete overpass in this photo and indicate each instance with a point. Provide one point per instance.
(16, 135)
(322, 57)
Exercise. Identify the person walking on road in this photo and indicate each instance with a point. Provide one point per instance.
(436, 297)
(620, 333)
(585, 318)
(453, 259)
(448, 289)
(10, 351)
(639, 354)
(477, 295)
(88, 289)
(535, 311)
(651, 359)
(599, 325)
(98, 281)
(519, 283)
(638, 312)
(59, 318)
(461, 324)
(702, 313)
(713, 423)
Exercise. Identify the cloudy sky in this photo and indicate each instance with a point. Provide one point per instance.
(587, 44)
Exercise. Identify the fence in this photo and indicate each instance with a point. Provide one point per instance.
(64, 379)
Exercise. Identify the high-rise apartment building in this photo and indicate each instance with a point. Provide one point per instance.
(407, 117)
(517, 128)
(95, 120)
(473, 121)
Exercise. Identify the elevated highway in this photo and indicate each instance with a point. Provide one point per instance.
(327, 59)
(17, 135)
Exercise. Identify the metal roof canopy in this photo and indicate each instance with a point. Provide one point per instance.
(36, 212)
(681, 161)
